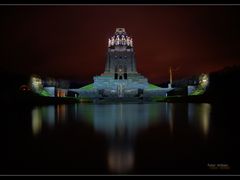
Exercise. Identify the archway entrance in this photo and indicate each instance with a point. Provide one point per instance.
(120, 72)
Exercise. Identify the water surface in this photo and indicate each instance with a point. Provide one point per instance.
(155, 138)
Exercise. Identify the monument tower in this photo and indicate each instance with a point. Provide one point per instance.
(120, 56)
(120, 77)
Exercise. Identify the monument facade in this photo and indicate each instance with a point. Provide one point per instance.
(120, 79)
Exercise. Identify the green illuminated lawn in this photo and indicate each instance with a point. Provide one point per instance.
(43, 92)
(88, 87)
(91, 87)
(152, 86)
(198, 91)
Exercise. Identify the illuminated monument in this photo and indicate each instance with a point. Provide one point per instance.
(120, 78)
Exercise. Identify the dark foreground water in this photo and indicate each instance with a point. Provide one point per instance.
(158, 138)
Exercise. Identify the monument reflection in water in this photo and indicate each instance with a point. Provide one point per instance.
(121, 123)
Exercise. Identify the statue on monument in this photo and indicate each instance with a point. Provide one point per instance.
(131, 42)
(128, 41)
(123, 40)
(112, 41)
(118, 40)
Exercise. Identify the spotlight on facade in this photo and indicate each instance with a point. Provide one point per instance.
(36, 83)
(204, 80)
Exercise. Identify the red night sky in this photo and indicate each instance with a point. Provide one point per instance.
(71, 41)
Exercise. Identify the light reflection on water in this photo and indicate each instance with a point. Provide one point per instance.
(36, 121)
(199, 116)
(121, 123)
(49, 116)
